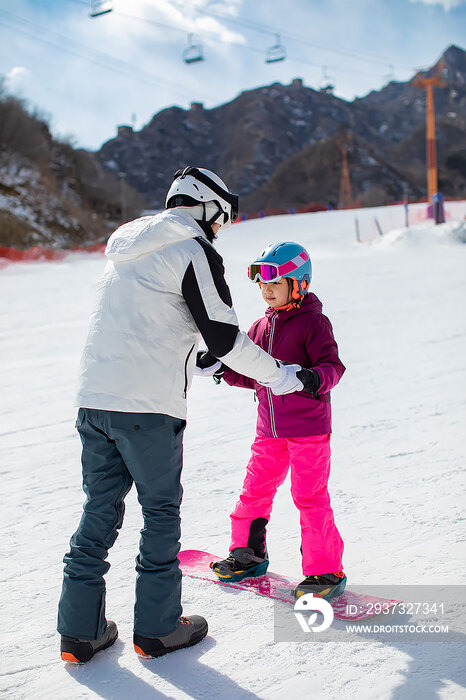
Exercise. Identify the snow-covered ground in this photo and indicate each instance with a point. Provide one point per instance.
(397, 484)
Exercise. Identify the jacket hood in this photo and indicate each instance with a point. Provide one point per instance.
(150, 233)
(310, 303)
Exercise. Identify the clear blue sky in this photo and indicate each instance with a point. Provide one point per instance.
(89, 75)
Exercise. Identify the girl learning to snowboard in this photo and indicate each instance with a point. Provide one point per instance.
(293, 431)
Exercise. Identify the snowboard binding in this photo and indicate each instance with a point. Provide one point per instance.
(325, 586)
(241, 563)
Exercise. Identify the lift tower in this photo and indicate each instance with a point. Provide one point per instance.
(428, 85)
(346, 197)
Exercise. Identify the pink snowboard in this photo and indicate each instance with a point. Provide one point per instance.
(347, 606)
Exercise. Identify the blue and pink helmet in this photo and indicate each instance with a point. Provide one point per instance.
(286, 259)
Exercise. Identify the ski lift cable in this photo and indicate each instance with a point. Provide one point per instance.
(73, 52)
(114, 62)
(144, 20)
(253, 49)
(69, 40)
(135, 72)
(267, 29)
(104, 60)
(172, 27)
(90, 55)
(240, 45)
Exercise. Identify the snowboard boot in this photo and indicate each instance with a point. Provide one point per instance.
(78, 651)
(324, 585)
(190, 631)
(240, 563)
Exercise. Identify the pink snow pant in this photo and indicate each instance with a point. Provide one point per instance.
(309, 460)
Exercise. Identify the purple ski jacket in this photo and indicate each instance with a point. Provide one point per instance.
(302, 336)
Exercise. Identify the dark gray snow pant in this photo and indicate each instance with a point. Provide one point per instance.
(119, 449)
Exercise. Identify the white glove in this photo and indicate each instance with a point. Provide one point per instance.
(207, 371)
(287, 382)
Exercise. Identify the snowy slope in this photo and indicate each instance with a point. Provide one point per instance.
(397, 307)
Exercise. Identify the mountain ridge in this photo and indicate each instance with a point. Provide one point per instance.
(255, 140)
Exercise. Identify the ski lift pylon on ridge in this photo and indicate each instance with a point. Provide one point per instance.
(326, 83)
(390, 76)
(277, 52)
(100, 7)
(193, 52)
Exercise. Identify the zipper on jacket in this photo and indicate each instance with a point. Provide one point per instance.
(269, 391)
(186, 372)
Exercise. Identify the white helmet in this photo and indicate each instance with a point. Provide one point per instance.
(194, 186)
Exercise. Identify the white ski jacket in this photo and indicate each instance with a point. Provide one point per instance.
(162, 289)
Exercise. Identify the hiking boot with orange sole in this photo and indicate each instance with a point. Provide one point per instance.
(78, 651)
(190, 631)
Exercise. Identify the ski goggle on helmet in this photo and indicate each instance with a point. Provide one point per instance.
(285, 259)
(192, 186)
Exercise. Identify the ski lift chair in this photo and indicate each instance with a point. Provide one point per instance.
(277, 52)
(193, 52)
(100, 7)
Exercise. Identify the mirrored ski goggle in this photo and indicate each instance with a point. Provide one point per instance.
(272, 272)
(265, 272)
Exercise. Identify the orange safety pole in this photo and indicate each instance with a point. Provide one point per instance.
(432, 187)
(428, 85)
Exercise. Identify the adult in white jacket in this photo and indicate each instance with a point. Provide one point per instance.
(163, 289)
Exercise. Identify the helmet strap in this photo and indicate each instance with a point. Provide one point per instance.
(218, 213)
(299, 290)
(207, 228)
(297, 293)
(206, 224)
(295, 290)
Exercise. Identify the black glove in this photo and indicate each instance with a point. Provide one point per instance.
(310, 379)
(208, 366)
(205, 359)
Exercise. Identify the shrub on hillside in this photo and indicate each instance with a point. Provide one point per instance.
(53, 187)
